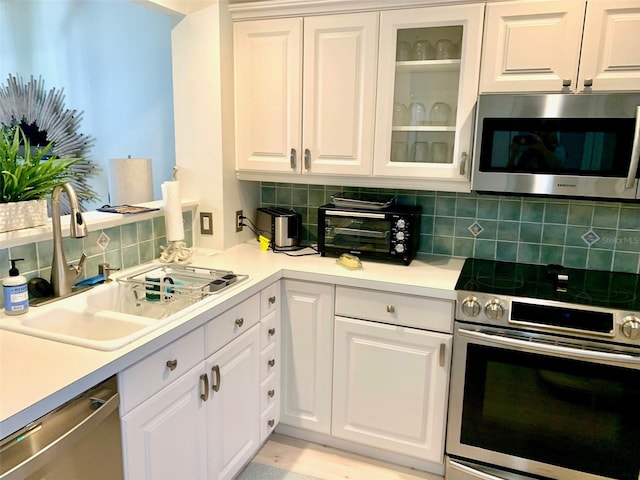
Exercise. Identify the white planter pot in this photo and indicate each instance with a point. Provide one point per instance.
(19, 215)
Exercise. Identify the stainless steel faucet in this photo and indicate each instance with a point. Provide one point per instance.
(63, 276)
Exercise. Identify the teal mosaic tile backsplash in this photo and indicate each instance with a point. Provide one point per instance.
(128, 246)
(573, 233)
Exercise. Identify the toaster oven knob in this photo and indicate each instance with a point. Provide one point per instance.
(399, 248)
(493, 310)
(400, 236)
(400, 223)
(470, 307)
(631, 327)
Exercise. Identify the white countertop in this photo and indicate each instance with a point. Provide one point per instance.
(38, 375)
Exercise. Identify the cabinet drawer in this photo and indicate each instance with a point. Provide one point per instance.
(268, 392)
(270, 299)
(268, 330)
(268, 361)
(232, 323)
(268, 421)
(153, 373)
(395, 308)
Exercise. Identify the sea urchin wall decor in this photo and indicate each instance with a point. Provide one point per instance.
(44, 118)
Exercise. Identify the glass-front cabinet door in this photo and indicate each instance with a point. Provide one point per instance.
(429, 66)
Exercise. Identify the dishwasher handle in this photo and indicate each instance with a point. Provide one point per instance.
(50, 452)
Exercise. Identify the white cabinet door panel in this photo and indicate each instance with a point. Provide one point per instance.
(390, 387)
(340, 64)
(165, 437)
(531, 46)
(232, 410)
(307, 329)
(268, 72)
(611, 45)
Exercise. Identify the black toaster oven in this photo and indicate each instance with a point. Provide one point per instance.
(391, 234)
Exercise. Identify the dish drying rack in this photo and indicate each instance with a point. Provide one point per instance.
(178, 285)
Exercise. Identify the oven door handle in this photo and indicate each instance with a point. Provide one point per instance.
(567, 352)
(635, 152)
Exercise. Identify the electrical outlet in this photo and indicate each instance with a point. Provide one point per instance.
(239, 225)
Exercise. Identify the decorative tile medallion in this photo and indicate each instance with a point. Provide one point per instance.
(590, 237)
(103, 240)
(475, 229)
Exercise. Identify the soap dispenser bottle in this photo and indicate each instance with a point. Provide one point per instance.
(15, 291)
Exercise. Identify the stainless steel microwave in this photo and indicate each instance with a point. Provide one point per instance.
(573, 145)
(389, 234)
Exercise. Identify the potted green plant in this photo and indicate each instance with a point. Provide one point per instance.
(28, 175)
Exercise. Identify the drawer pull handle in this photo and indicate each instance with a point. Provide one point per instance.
(391, 309)
(215, 373)
(204, 387)
(239, 321)
(271, 393)
(272, 299)
(172, 364)
(272, 332)
(272, 362)
(271, 422)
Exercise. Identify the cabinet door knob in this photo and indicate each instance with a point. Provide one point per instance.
(293, 158)
(215, 373)
(271, 393)
(204, 387)
(172, 364)
(566, 82)
(272, 362)
(272, 299)
(271, 422)
(588, 82)
(239, 321)
(391, 309)
(272, 332)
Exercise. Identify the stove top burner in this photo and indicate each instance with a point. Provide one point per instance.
(552, 282)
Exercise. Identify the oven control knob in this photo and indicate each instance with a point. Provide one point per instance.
(400, 223)
(631, 327)
(471, 307)
(400, 235)
(399, 248)
(493, 310)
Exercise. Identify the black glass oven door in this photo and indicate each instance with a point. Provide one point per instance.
(358, 232)
(577, 415)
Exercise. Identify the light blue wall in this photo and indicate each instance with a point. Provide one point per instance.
(112, 58)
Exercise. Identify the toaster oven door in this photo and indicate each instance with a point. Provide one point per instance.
(357, 232)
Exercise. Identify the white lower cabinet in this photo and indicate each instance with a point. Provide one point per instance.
(187, 416)
(233, 405)
(307, 337)
(166, 436)
(374, 376)
(390, 387)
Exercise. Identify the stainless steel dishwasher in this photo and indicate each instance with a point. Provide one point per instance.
(78, 441)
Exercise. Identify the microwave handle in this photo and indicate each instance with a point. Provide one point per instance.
(635, 152)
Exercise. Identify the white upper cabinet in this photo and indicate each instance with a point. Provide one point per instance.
(429, 66)
(305, 94)
(554, 46)
(611, 45)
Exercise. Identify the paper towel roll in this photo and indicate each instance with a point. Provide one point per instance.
(130, 181)
(173, 211)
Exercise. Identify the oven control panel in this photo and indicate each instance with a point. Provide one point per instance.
(545, 316)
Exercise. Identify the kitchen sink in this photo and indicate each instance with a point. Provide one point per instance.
(86, 327)
(112, 315)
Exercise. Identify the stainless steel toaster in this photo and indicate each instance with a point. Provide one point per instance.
(280, 225)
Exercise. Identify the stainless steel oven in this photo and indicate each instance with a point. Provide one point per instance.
(545, 374)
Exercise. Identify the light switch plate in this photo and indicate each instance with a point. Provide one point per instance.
(206, 223)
